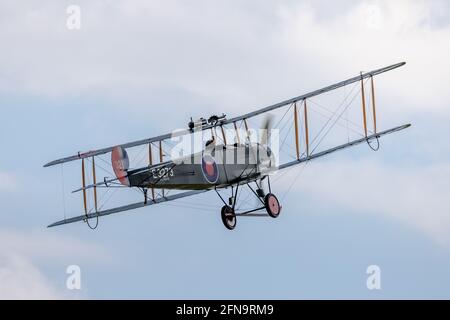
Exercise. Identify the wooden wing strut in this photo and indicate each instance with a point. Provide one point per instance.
(246, 129)
(306, 129)
(83, 181)
(237, 133)
(297, 146)
(84, 188)
(94, 177)
(363, 98)
(150, 162)
(161, 158)
(223, 136)
(373, 106)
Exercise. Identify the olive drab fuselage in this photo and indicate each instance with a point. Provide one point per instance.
(213, 167)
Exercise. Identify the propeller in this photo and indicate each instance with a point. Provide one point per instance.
(266, 127)
(263, 142)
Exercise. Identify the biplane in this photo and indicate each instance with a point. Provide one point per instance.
(222, 163)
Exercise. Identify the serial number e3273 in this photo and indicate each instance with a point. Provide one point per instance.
(162, 173)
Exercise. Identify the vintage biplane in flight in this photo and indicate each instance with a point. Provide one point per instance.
(222, 164)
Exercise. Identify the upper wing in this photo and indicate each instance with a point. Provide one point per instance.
(317, 92)
(228, 121)
(98, 152)
(126, 208)
(343, 146)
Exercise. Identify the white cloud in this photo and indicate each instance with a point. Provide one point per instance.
(20, 279)
(23, 253)
(232, 54)
(377, 33)
(417, 196)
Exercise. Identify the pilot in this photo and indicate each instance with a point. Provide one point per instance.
(210, 146)
(211, 142)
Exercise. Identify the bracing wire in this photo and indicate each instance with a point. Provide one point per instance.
(346, 119)
(326, 133)
(334, 122)
(334, 114)
(338, 123)
(63, 190)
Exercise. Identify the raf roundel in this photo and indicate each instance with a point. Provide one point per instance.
(210, 169)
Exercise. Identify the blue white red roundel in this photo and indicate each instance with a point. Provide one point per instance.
(210, 169)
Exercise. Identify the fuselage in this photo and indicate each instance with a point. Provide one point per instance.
(214, 167)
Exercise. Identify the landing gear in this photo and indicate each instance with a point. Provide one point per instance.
(268, 202)
(272, 205)
(228, 217)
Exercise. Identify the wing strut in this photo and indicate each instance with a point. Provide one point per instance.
(237, 133)
(306, 129)
(373, 105)
(83, 181)
(297, 146)
(94, 177)
(161, 158)
(246, 129)
(150, 162)
(223, 135)
(363, 98)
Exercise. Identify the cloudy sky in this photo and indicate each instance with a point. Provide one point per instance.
(140, 68)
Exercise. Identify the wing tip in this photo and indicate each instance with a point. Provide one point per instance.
(50, 164)
(57, 223)
(53, 225)
(405, 126)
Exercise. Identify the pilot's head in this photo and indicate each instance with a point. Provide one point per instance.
(210, 141)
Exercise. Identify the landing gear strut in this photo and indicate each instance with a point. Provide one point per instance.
(269, 203)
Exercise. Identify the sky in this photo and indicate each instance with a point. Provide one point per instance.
(137, 69)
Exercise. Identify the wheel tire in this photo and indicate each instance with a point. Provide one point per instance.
(272, 205)
(228, 217)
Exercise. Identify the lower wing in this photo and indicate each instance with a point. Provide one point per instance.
(126, 208)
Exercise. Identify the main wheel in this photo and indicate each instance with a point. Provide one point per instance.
(228, 217)
(272, 205)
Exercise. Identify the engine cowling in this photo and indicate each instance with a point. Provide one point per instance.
(120, 164)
